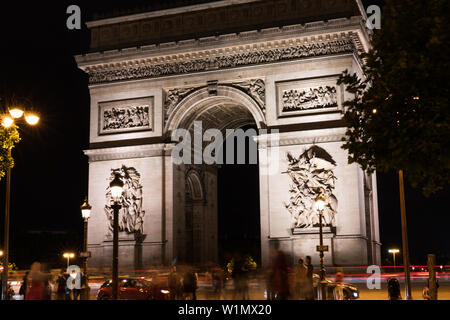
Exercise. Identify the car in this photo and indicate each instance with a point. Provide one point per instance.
(350, 292)
(134, 289)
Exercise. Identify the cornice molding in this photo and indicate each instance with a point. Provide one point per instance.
(225, 58)
(295, 138)
(129, 152)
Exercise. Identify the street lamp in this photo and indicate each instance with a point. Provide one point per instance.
(320, 205)
(85, 213)
(394, 251)
(116, 188)
(68, 256)
(9, 120)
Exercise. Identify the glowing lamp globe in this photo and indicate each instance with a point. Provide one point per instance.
(7, 122)
(32, 119)
(85, 210)
(116, 187)
(16, 113)
(320, 202)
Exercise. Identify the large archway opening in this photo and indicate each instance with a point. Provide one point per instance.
(221, 216)
(238, 206)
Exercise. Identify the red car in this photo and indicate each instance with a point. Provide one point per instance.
(134, 289)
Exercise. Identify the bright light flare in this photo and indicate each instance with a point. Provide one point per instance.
(16, 113)
(32, 119)
(320, 202)
(7, 122)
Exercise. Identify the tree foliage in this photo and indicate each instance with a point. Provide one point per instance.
(8, 138)
(398, 117)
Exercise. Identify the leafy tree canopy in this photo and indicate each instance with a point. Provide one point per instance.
(398, 117)
(8, 138)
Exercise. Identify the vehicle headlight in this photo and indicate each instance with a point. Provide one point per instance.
(164, 291)
(355, 294)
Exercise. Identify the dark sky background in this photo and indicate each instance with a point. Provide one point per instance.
(49, 180)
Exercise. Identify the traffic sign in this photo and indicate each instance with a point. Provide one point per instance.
(322, 248)
(86, 254)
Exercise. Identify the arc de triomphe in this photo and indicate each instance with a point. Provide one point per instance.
(269, 64)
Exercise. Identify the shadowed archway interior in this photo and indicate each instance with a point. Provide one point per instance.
(235, 190)
(238, 207)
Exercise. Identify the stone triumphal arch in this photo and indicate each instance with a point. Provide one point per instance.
(226, 64)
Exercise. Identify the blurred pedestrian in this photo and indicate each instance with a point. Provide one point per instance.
(75, 278)
(310, 281)
(426, 290)
(300, 280)
(338, 290)
(37, 289)
(190, 283)
(85, 290)
(278, 276)
(175, 284)
(61, 287)
(24, 286)
(218, 283)
(240, 277)
(426, 293)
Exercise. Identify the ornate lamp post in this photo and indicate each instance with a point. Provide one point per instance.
(9, 120)
(116, 187)
(320, 205)
(86, 213)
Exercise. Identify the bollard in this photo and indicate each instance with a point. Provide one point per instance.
(431, 263)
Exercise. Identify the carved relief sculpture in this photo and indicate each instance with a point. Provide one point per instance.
(255, 88)
(130, 214)
(312, 98)
(174, 96)
(226, 61)
(126, 115)
(311, 173)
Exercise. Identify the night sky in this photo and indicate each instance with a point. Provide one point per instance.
(49, 180)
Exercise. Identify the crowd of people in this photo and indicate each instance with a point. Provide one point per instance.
(183, 285)
(282, 282)
(36, 285)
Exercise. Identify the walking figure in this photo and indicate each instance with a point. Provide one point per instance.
(190, 284)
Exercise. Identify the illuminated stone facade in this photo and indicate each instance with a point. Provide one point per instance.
(246, 70)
